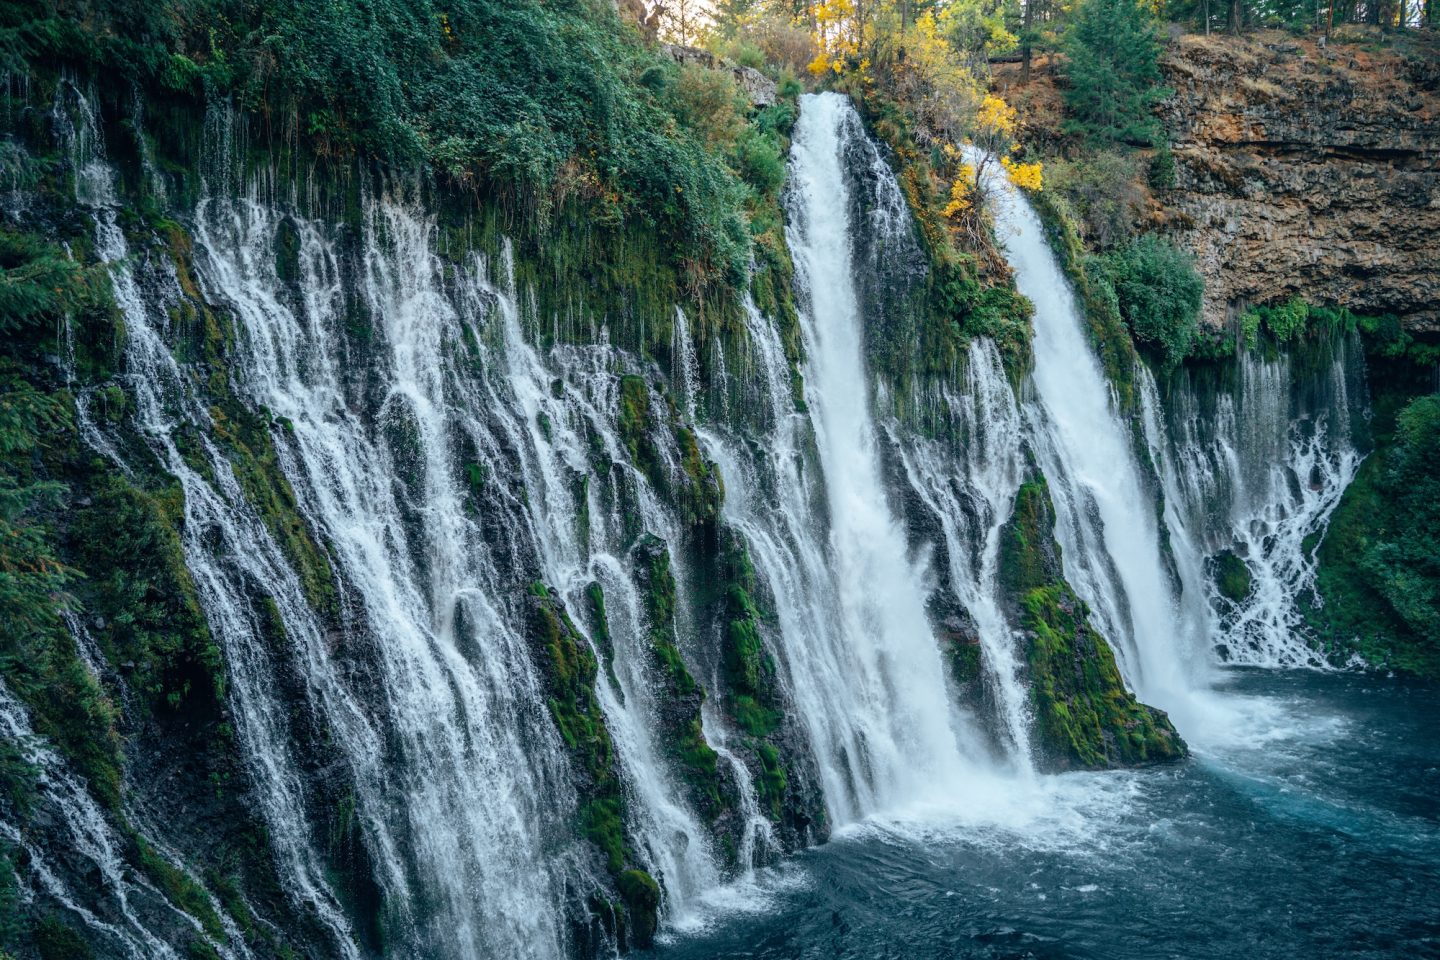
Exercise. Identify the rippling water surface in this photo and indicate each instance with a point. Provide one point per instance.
(1307, 827)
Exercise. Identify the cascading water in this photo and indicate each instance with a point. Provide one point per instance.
(224, 577)
(550, 428)
(1256, 465)
(444, 463)
(119, 915)
(969, 488)
(863, 663)
(459, 780)
(477, 770)
(1106, 515)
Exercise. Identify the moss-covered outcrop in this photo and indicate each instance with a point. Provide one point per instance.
(1231, 574)
(925, 313)
(1085, 717)
(571, 671)
(755, 702)
(696, 488)
(1378, 570)
(679, 694)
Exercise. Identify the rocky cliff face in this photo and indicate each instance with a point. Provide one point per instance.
(1306, 171)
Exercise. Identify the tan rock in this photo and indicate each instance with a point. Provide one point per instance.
(1306, 174)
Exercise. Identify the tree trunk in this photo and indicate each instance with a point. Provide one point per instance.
(1025, 50)
(1235, 17)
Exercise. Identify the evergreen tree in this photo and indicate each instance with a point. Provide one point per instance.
(1113, 52)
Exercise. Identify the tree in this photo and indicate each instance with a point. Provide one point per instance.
(1113, 52)
(682, 21)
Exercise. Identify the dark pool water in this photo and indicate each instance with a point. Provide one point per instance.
(1307, 825)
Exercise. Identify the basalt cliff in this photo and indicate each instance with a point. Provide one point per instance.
(1305, 170)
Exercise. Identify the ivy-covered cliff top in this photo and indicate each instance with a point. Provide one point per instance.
(523, 102)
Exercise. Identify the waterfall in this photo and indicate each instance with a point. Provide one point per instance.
(969, 487)
(863, 662)
(675, 844)
(454, 819)
(1255, 465)
(1107, 522)
(116, 914)
(443, 451)
(226, 546)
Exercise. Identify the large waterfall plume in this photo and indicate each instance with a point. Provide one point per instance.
(885, 727)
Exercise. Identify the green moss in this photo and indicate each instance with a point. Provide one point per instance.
(1232, 576)
(695, 760)
(600, 632)
(641, 895)
(55, 940)
(1084, 715)
(704, 491)
(256, 465)
(176, 884)
(1378, 577)
(570, 671)
(129, 544)
(198, 949)
(753, 698)
(636, 427)
(966, 667)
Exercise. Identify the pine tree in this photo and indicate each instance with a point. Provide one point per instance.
(1113, 51)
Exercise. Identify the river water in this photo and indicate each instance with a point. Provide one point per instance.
(1317, 834)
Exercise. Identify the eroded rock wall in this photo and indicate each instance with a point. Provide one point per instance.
(1302, 171)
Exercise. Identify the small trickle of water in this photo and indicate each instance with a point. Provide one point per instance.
(970, 491)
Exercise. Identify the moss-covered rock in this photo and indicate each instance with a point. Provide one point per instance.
(1085, 717)
(570, 672)
(680, 695)
(1378, 577)
(1232, 576)
(697, 490)
(128, 542)
(641, 895)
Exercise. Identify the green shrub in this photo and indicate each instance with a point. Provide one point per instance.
(516, 99)
(759, 160)
(1161, 172)
(1103, 193)
(1159, 293)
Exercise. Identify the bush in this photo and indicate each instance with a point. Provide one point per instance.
(1158, 291)
(1162, 168)
(1406, 565)
(494, 96)
(1103, 192)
